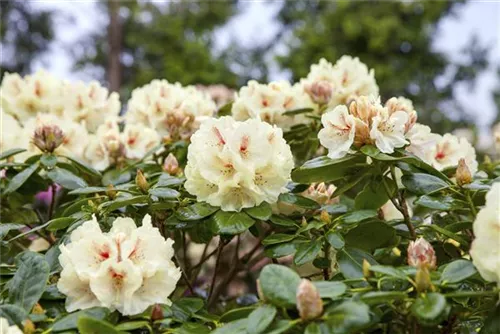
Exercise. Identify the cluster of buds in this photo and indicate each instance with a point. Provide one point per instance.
(421, 255)
(309, 302)
(48, 137)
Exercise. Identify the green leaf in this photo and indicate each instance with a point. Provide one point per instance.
(261, 212)
(458, 271)
(184, 308)
(48, 160)
(282, 221)
(307, 252)
(430, 308)
(324, 169)
(299, 201)
(88, 190)
(347, 317)
(95, 326)
(313, 328)
(196, 211)
(277, 238)
(14, 314)
(66, 179)
(6, 228)
(328, 289)
(121, 202)
(297, 111)
(260, 319)
(279, 285)
(60, 223)
(442, 203)
(350, 262)
(281, 250)
(281, 327)
(19, 179)
(69, 322)
(448, 234)
(225, 110)
(237, 313)
(83, 166)
(11, 152)
(335, 239)
(370, 235)
(131, 325)
(235, 327)
(164, 193)
(115, 177)
(28, 284)
(389, 271)
(422, 184)
(382, 297)
(358, 216)
(492, 323)
(167, 180)
(374, 194)
(232, 222)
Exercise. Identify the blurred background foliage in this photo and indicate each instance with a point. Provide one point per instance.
(175, 40)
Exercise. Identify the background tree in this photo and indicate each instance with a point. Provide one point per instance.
(395, 38)
(25, 34)
(172, 40)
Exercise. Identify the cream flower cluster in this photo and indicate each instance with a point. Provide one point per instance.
(170, 109)
(347, 79)
(237, 165)
(108, 146)
(485, 249)
(127, 269)
(268, 102)
(26, 97)
(367, 121)
(441, 152)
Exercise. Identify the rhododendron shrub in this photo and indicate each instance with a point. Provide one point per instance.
(309, 207)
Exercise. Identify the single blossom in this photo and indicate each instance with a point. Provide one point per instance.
(421, 140)
(485, 249)
(388, 131)
(237, 165)
(396, 104)
(339, 129)
(421, 254)
(448, 151)
(127, 269)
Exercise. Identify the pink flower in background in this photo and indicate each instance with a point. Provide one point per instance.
(45, 197)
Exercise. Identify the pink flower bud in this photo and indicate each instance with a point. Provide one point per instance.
(421, 253)
(171, 165)
(320, 92)
(309, 302)
(48, 137)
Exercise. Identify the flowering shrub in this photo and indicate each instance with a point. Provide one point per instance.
(297, 208)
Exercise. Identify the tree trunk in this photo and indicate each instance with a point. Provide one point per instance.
(114, 45)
